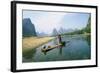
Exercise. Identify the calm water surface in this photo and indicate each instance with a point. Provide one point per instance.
(76, 48)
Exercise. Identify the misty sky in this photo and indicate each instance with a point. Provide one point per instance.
(45, 21)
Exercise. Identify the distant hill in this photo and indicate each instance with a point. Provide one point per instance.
(88, 26)
(54, 32)
(28, 28)
(41, 34)
(87, 29)
(63, 30)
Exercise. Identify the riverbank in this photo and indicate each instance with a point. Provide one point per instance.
(29, 43)
(83, 34)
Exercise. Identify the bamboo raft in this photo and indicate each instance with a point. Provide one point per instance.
(50, 48)
(53, 47)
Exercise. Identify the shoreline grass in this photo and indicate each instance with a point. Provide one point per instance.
(29, 43)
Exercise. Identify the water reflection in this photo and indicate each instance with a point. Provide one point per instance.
(27, 55)
(75, 48)
(60, 50)
(88, 39)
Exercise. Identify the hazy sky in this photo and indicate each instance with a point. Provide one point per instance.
(45, 21)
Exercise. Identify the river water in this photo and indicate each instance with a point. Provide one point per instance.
(76, 48)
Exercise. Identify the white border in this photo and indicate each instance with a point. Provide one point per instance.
(36, 65)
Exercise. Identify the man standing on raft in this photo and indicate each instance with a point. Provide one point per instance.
(59, 39)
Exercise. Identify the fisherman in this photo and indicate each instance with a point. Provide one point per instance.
(59, 39)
